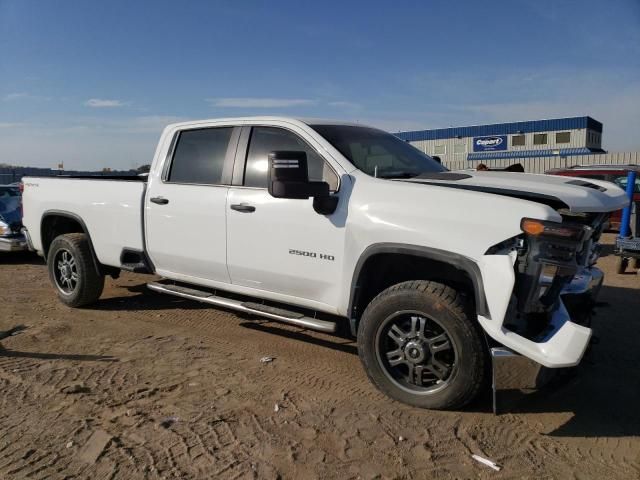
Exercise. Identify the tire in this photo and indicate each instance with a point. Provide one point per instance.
(72, 270)
(621, 264)
(443, 335)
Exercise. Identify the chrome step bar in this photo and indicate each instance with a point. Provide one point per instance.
(285, 316)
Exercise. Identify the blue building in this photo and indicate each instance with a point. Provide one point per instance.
(500, 143)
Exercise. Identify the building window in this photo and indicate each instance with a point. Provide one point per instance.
(459, 148)
(563, 137)
(517, 140)
(540, 139)
(440, 150)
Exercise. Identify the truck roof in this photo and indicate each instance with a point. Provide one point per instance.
(268, 118)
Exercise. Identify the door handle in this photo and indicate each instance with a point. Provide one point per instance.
(159, 200)
(243, 207)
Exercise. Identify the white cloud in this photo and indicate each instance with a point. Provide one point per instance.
(259, 102)
(103, 103)
(510, 95)
(344, 104)
(151, 123)
(83, 143)
(15, 96)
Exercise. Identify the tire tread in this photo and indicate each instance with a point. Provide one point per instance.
(92, 282)
(455, 302)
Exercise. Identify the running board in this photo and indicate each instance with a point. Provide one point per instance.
(272, 313)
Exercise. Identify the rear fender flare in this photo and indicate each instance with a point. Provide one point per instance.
(72, 216)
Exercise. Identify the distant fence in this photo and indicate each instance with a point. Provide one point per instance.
(15, 174)
(542, 164)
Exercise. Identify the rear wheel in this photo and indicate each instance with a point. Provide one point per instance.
(419, 346)
(72, 270)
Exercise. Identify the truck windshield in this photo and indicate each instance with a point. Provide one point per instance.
(378, 153)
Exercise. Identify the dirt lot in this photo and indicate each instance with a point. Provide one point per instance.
(146, 386)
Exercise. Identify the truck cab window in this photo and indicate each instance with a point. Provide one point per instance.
(199, 156)
(268, 139)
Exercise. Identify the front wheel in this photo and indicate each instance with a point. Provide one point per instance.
(419, 346)
(72, 270)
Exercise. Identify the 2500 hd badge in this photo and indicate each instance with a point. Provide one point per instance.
(303, 253)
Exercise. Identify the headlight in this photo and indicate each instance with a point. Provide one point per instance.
(556, 230)
(5, 229)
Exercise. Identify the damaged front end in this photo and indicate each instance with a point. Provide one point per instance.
(555, 263)
(543, 319)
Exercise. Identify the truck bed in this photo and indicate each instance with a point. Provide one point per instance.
(109, 207)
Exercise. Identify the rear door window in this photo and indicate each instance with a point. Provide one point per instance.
(199, 156)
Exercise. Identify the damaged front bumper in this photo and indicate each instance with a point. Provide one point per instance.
(587, 281)
(513, 376)
(533, 284)
(564, 341)
(520, 365)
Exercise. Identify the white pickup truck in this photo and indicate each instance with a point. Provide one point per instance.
(313, 223)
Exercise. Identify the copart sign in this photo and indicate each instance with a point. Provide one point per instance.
(488, 144)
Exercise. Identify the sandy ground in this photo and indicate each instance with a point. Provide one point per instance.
(147, 386)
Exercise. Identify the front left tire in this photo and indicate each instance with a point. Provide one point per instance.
(72, 270)
(419, 345)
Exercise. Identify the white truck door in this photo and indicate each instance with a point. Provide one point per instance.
(185, 206)
(281, 245)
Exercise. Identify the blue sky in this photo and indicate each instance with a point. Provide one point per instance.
(92, 83)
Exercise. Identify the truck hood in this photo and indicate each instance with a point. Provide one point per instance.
(572, 193)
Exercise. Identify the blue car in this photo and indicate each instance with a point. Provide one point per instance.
(11, 238)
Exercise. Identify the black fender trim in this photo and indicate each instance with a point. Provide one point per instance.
(61, 213)
(460, 262)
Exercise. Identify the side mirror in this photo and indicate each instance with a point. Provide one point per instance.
(289, 178)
